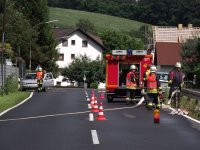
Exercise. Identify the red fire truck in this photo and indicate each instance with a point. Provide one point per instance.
(117, 66)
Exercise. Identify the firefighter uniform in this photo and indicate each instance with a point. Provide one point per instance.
(131, 84)
(39, 77)
(153, 88)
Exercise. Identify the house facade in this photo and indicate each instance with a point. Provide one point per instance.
(168, 44)
(74, 42)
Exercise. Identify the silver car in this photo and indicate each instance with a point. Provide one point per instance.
(29, 82)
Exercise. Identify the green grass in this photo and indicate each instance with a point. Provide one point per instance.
(69, 18)
(191, 105)
(12, 99)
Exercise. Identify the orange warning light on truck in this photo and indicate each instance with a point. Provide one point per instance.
(117, 66)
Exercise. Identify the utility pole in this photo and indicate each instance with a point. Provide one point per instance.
(2, 51)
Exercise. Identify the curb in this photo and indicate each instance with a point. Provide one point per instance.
(5, 111)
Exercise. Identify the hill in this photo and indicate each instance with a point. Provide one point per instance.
(69, 18)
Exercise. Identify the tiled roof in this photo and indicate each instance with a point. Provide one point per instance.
(168, 53)
(60, 33)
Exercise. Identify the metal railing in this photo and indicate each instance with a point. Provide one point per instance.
(192, 93)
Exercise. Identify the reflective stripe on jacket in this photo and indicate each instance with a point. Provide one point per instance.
(131, 80)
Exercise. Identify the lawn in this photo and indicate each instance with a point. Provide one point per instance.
(69, 18)
(12, 99)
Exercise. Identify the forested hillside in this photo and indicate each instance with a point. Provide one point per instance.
(156, 12)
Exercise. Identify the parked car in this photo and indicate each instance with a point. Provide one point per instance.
(65, 82)
(29, 81)
(102, 86)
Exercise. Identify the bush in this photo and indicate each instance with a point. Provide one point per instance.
(11, 84)
(94, 85)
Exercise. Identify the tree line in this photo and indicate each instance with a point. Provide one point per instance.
(155, 12)
(27, 35)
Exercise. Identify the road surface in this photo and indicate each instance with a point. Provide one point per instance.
(61, 120)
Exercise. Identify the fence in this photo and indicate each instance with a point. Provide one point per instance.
(8, 70)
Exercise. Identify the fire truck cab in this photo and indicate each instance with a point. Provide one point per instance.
(117, 66)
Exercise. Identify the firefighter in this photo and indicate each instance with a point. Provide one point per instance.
(145, 75)
(39, 77)
(153, 88)
(144, 90)
(176, 77)
(131, 84)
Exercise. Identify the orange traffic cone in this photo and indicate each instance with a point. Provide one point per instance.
(93, 96)
(156, 116)
(95, 107)
(101, 95)
(101, 116)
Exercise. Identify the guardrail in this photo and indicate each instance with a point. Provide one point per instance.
(192, 93)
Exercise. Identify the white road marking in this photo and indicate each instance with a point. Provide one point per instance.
(186, 116)
(95, 137)
(65, 114)
(45, 116)
(91, 117)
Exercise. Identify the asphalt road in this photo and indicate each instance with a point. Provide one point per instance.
(59, 120)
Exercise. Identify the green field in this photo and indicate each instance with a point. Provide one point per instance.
(69, 18)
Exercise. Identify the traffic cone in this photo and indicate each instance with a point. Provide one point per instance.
(101, 95)
(92, 103)
(93, 96)
(95, 107)
(156, 116)
(101, 116)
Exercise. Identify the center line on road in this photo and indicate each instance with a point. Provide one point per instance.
(95, 137)
(91, 117)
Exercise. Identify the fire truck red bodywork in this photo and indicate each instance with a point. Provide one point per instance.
(117, 67)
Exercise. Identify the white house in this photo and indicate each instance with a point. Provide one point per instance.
(75, 42)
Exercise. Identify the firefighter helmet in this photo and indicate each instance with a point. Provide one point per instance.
(38, 68)
(153, 69)
(178, 65)
(133, 67)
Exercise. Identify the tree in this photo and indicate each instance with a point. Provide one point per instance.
(86, 25)
(190, 54)
(43, 48)
(117, 40)
(75, 71)
(17, 31)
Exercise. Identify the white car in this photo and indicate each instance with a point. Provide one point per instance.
(102, 86)
(29, 82)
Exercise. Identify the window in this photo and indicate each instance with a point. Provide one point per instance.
(64, 42)
(72, 56)
(73, 42)
(84, 43)
(61, 57)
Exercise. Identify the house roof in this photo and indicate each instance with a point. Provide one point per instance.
(168, 53)
(60, 33)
